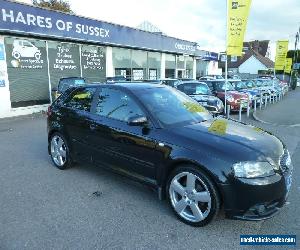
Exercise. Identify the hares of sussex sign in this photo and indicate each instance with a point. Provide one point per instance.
(24, 19)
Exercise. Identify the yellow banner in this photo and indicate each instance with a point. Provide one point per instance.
(281, 51)
(238, 12)
(288, 65)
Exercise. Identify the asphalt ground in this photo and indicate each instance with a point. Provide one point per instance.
(287, 110)
(86, 207)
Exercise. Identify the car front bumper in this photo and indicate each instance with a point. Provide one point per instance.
(255, 199)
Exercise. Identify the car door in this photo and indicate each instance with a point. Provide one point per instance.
(126, 148)
(76, 118)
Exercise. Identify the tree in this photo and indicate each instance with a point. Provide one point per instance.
(61, 5)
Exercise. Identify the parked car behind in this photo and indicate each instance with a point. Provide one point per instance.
(66, 83)
(159, 136)
(113, 79)
(234, 98)
(241, 86)
(200, 92)
(171, 82)
(211, 77)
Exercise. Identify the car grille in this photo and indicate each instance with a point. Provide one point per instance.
(211, 108)
(285, 161)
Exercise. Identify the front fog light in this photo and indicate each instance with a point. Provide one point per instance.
(252, 169)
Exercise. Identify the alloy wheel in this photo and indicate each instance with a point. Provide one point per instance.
(190, 197)
(58, 150)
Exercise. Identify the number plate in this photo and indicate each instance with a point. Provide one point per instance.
(244, 105)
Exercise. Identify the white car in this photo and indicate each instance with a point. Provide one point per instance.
(24, 48)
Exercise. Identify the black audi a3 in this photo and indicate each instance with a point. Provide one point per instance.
(160, 136)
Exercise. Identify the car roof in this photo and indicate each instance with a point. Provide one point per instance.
(128, 85)
(72, 77)
(194, 81)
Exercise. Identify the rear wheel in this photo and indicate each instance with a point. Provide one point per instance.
(59, 151)
(192, 196)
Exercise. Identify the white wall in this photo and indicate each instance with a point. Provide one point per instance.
(4, 91)
(213, 68)
(252, 65)
(163, 66)
(109, 62)
(194, 68)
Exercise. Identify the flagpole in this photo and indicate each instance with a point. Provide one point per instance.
(226, 65)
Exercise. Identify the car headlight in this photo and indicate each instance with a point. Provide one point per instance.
(220, 104)
(250, 169)
(229, 98)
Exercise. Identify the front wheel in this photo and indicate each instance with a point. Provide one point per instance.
(59, 151)
(192, 196)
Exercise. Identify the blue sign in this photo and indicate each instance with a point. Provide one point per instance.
(210, 56)
(24, 19)
(296, 66)
(1, 51)
(2, 83)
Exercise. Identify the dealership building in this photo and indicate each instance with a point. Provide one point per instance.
(40, 46)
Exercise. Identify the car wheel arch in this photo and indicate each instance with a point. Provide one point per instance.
(184, 162)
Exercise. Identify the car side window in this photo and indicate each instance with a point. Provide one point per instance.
(116, 104)
(81, 99)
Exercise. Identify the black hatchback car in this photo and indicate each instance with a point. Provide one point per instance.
(160, 136)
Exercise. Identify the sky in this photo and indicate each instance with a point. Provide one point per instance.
(201, 21)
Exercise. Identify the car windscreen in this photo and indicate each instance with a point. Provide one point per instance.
(258, 83)
(66, 83)
(171, 107)
(250, 84)
(220, 86)
(194, 88)
(240, 85)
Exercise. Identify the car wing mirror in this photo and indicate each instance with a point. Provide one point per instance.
(54, 89)
(137, 121)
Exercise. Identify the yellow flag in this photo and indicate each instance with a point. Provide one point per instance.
(281, 51)
(288, 65)
(238, 12)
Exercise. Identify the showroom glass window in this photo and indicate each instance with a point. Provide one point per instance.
(116, 104)
(139, 65)
(27, 70)
(64, 61)
(81, 99)
(122, 62)
(154, 63)
(93, 63)
(170, 64)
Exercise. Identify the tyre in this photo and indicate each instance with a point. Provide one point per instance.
(192, 196)
(59, 151)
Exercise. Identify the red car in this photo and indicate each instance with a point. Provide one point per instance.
(233, 98)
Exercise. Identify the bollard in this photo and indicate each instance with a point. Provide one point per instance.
(266, 100)
(240, 112)
(255, 105)
(228, 111)
(248, 108)
(260, 103)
